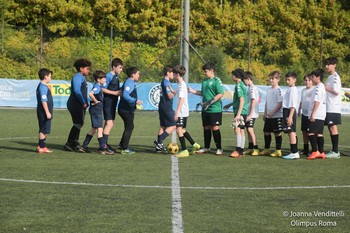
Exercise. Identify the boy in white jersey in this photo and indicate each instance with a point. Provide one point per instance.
(317, 115)
(334, 99)
(182, 113)
(253, 114)
(303, 111)
(273, 115)
(290, 105)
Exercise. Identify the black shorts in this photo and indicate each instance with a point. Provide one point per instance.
(244, 120)
(211, 119)
(109, 108)
(181, 122)
(316, 127)
(77, 112)
(44, 126)
(304, 123)
(166, 119)
(250, 124)
(332, 118)
(273, 125)
(96, 114)
(287, 128)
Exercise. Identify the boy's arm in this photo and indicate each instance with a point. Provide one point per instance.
(290, 117)
(314, 109)
(47, 111)
(93, 99)
(117, 93)
(240, 107)
(252, 109)
(193, 91)
(179, 106)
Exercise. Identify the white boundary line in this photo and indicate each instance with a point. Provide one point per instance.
(176, 197)
(170, 187)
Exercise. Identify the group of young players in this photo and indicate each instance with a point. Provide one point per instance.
(320, 105)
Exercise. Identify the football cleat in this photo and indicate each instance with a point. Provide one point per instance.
(333, 155)
(316, 155)
(182, 154)
(292, 156)
(255, 152)
(265, 152)
(195, 147)
(203, 151)
(43, 150)
(276, 153)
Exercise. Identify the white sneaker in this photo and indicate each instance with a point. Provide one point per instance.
(292, 156)
(219, 152)
(203, 151)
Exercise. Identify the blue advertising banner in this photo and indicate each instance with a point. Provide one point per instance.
(21, 93)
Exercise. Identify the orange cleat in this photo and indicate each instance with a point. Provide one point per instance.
(43, 150)
(316, 155)
(235, 154)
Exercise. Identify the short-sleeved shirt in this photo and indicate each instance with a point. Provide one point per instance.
(165, 104)
(334, 101)
(128, 100)
(240, 92)
(290, 99)
(253, 94)
(306, 100)
(318, 94)
(183, 94)
(210, 88)
(273, 97)
(43, 94)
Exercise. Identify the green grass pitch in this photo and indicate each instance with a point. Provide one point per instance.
(72, 192)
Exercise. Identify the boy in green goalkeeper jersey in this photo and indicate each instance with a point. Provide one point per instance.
(240, 110)
(212, 91)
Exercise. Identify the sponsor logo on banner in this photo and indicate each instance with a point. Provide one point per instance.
(154, 95)
(59, 89)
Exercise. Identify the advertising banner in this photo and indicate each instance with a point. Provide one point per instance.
(22, 94)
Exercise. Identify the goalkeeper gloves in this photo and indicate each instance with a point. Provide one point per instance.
(207, 104)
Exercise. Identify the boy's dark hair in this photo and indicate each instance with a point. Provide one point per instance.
(208, 66)
(81, 63)
(168, 69)
(131, 70)
(43, 72)
(291, 74)
(180, 69)
(116, 62)
(248, 75)
(331, 61)
(239, 73)
(318, 73)
(98, 74)
(309, 76)
(275, 74)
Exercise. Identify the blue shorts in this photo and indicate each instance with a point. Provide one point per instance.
(109, 107)
(96, 114)
(44, 123)
(166, 119)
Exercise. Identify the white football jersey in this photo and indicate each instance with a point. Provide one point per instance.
(334, 101)
(306, 100)
(318, 94)
(290, 99)
(253, 94)
(273, 97)
(183, 93)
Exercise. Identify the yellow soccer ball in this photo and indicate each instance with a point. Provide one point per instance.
(172, 148)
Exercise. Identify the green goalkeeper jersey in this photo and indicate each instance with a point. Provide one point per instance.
(210, 88)
(240, 91)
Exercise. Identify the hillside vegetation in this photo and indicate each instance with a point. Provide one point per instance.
(259, 35)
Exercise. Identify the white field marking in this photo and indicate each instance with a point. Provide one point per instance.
(150, 137)
(176, 197)
(170, 187)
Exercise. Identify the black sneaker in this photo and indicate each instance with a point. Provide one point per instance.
(68, 147)
(86, 149)
(79, 149)
(112, 148)
(159, 146)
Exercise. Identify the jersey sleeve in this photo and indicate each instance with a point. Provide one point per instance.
(77, 81)
(219, 87)
(43, 90)
(128, 89)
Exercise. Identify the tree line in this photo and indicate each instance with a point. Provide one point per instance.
(259, 35)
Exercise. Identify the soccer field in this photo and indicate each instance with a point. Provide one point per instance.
(150, 192)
